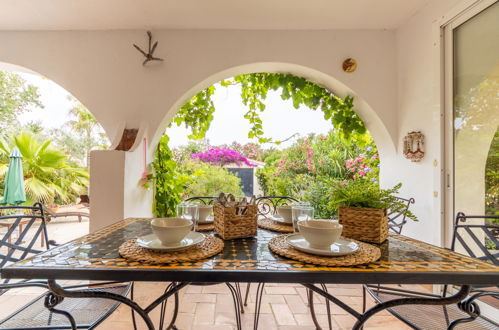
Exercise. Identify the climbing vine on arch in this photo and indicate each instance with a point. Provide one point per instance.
(197, 115)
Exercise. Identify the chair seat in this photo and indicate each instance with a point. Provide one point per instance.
(428, 316)
(87, 312)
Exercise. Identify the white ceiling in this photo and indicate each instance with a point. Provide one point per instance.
(205, 14)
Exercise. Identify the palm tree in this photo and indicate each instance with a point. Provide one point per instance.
(83, 123)
(47, 175)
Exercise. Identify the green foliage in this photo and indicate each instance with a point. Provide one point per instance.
(197, 113)
(255, 87)
(48, 177)
(16, 97)
(304, 167)
(168, 182)
(183, 153)
(311, 165)
(85, 134)
(357, 193)
(492, 178)
(209, 180)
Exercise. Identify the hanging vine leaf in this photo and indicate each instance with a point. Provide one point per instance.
(197, 114)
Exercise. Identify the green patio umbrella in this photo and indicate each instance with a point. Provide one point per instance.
(14, 180)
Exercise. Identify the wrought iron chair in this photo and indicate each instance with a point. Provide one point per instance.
(397, 218)
(40, 313)
(461, 314)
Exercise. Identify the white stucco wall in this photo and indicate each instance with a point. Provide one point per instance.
(419, 90)
(104, 71)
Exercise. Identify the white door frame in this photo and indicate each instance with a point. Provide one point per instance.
(447, 25)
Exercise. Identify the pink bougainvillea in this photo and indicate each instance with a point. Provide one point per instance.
(222, 157)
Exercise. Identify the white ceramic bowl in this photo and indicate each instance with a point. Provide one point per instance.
(171, 230)
(285, 213)
(320, 234)
(204, 211)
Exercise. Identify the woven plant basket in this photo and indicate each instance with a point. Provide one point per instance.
(228, 225)
(364, 224)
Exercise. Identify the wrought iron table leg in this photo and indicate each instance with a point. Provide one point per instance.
(162, 314)
(239, 296)
(52, 300)
(362, 318)
(258, 304)
(237, 306)
(328, 308)
(59, 291)
(310, 300)
(247, 294)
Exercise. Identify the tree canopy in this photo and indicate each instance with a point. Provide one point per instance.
(197, 113)
(16, 97)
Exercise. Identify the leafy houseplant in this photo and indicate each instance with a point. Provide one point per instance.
(362, 208)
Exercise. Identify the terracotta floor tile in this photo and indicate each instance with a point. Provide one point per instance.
(205, 313)
(218, 288)
(199, 298)
(296, 304)
(194, 289)
(280, 290)
(283, 314)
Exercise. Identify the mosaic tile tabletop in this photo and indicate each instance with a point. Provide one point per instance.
(96, 257)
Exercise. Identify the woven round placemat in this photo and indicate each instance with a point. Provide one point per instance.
(206, 227)
(274, 226)
(367, 253)
(209, 247)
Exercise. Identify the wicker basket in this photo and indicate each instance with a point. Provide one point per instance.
(364, 224)
(228, 225)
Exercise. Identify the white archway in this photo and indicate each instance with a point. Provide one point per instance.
(384, 141)
(4, 66)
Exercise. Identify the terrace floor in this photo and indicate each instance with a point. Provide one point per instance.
(211, 307)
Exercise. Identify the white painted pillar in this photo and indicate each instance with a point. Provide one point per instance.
(107, 181)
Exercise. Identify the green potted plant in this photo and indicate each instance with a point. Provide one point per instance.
(362, 209)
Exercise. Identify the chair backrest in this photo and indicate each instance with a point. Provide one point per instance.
(21, 232)
(267, 205)
(205, 200)
(397, 218)
(477, 239)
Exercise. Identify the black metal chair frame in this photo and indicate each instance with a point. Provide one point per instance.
(30, 215)
(468, 305)
(397, 218)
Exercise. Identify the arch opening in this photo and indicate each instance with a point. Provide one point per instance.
(55, 133)
(304, 142)
(384, 141)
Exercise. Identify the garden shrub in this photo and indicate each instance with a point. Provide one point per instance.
(208, 180)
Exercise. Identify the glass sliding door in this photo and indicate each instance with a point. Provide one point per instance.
(471, 96)
(476, 113)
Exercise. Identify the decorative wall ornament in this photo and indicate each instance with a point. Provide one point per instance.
(414, 146)
(150, 54)
(349, 65)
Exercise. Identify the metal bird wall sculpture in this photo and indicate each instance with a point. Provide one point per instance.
(150, 54)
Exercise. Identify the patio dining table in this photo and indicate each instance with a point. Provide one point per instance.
(403, 261)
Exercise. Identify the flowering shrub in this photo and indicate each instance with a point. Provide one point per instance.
(311, 166)
(365, 166)
(249, 150)
(221, 157)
